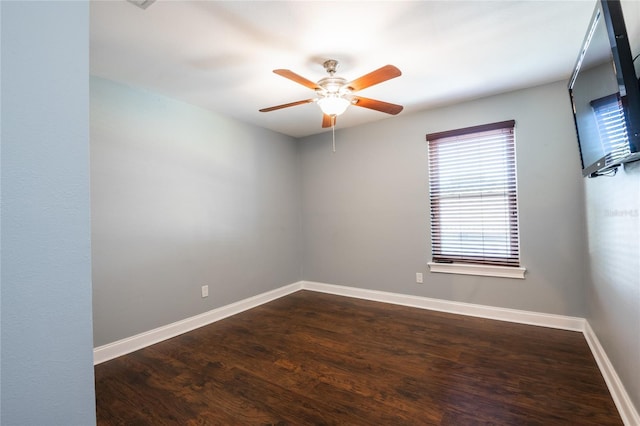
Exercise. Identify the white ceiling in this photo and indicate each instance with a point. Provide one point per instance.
(220, 54)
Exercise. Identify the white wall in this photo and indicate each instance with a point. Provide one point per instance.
(613, 297)
(46, 360)
(182, 198)
(366, 216)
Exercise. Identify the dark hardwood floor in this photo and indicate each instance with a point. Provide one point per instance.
(313, 359)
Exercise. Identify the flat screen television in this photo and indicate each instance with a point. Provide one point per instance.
(605, 94)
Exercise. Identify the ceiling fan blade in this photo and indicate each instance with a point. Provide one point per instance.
(374, 77)
(392, 109)
(273, 108)
(297, 78)
(328, 120)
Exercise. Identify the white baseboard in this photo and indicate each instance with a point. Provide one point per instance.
(620, 396)
(142, 340)
(469, 309)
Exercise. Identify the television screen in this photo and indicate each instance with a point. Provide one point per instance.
(605, 94)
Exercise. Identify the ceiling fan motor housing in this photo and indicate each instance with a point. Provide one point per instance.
(330, 66)
(332, 85)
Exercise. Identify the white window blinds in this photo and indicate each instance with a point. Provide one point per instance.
(473, 197)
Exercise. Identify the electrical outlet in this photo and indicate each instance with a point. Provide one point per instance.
(205, 291)
(419, 278)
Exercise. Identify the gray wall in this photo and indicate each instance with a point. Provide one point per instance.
(366, 216)
(181, 198)
(613, 297)
(47, 360)
(613, 226)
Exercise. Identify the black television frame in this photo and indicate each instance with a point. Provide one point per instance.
(628, 84)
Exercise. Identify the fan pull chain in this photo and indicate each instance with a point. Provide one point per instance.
(333, 131)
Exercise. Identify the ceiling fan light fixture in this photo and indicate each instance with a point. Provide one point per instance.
(333, 104)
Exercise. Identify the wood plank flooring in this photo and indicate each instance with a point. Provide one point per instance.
(318, 359)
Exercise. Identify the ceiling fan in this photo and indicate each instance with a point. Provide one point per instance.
(334, 94)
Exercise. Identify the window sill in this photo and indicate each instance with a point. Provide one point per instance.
(481, 270)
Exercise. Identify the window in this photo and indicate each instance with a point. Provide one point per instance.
(473, 198)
